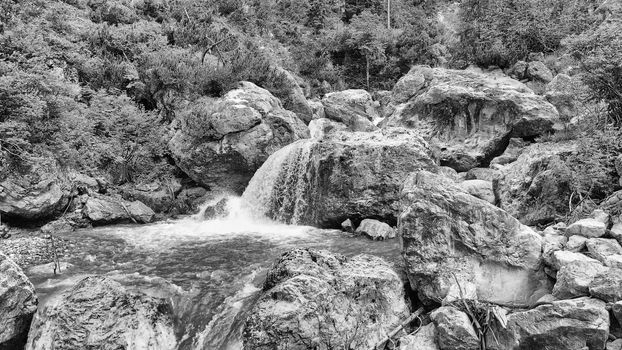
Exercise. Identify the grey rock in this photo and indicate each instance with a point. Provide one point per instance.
(576, 243)
(587, 228)
(375, 230)
(108, 210)
(575, 278)
(454, 329)
(424, 339)
(353, 108)
(539, 72)
(602, 248)
(481, 189)
(607, 285)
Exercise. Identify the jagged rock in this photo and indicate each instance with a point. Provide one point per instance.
(600, 215)
(519, 70)
(576, 243)
(602, 248)
(222, 142)
(536, 187)
(445, 231)
(479, 188)
(375, 229)
(607, 285)
(575, 278)
(511, 153)
(99, 313)
(347, 226)
(454, 329)
(575, 324)
(587, 228)
(562, 92)
(217, 211)
(108, 210)
(550, 244)
(314, 298)
(424, 339)
(470, 115)
(18, 304)
(614, 261)
(319, 128)
(293, 94)
(563, 258)
(486, 174)
(353, 108)
(348, 175)
(539, 72)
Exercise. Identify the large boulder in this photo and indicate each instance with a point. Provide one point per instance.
(315, 299)
(575, 324)
(563, 93)
(222, 142)
(18, 304)
(375, 230)
(536, 187)
(470, 115)
(449, 237)
(575, 278)
(98, 313)
(354, 108)
(108, 210)
(293, 95)
(346, 175)
(607, 285)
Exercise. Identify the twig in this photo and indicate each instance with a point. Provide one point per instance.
(128, 212)
(392, 334)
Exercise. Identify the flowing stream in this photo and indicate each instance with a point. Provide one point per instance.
(212, 270)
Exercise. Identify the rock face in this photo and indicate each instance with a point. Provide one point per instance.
(445, 231)
(18, 304)
(471, 116)
(107, 210)
(574, 324)
(535, 188)
(375, 229)
(36, 195)
(222, 142)
(354, 108)
(313, 298)
(98, 313)
(346, 175)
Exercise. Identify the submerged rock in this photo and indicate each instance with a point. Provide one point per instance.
(314, 300)
(448, 234)
(98, 313)
(222, 142)
(470, 115)
(347, 175)
(18, 304)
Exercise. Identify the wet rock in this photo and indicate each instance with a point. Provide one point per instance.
(602, 248)
(108, 210)
(222, 142)
(353, 108)
(607, 285)
(314, 298)
(539, 71)
(576, 243)
(99, 313)
(375, 230)
(587, 228)
(479, 188)
(159, 196)
(445, 231)
(470, 115)
(454, 329)
(18, 304)
(348, 175)
(575, 278)
(424, 339)
(575, 324)
(217, 211)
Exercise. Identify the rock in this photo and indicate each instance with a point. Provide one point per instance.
(293, 95)
(424, 339)
(607, 285)
(98, 313)
(511, 153)
(587, 228)
(602, 248)
(222, 142)
(575, 278)
(486, 174)
(354, 108)
(539, 72)
(454, 329)
(375, 230)
(614, 261)
(347, 226)
(563, 258)
(160, 197)
(519, 70)
(36, 195)
(470, 115)
(576, 243)
(319, 128)
(108, 210)
(550, 244)
(536, 187)
(600, 215)
(563, 93)
(314, 298)
(18, 304)
(348, 175)
(383, 97)
(479, 188)
(318, 109)
(575, 324)
(617, 311)
(218, 210)
(614, 345)
(613, 204)
(60, 225)
(445, 231)
(449, 173)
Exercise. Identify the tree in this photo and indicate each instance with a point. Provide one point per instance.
(368, 35)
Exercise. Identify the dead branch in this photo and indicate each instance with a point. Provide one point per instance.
(392, 334)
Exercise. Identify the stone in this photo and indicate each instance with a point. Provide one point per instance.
(539, 71)
(563, 258)
(600, 215)
(60, 225)
(614, 261)
(576, 243)
(470, 115)
(616, 308)
(563, 92)
(353, 108)
(159, 196)
(99, 313)
(109, 210)
(347, 226)
(348, 175)
(218, 210)
(602, 248)
(316, 299)
(222, 142)
(375, 230)
(481, 189)
(485, 174)
(292, 93)
(319, 128)
(614, 345)
(424, 339)
(575, 278)
(454, 329)
(589, 227)
(511, 153)
(318, 109)
(518, 70)
(446, 232)
(18, 304)
(575, 324)
(550, 244)
(607, 285)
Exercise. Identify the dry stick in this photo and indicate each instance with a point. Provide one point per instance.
(128, 212)
(471, 313)
(399, 328)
